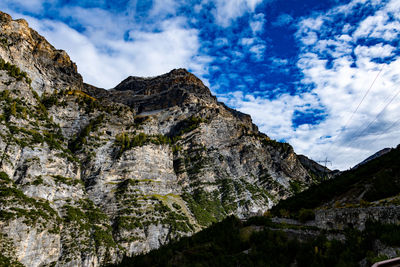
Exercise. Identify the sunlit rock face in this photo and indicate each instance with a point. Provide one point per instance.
(89, 175)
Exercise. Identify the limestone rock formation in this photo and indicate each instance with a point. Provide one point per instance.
(88, 175)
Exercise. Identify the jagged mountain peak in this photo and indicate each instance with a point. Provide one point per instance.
(177, 82)
(178, 76)
(175, 88)
(88, 175)
(47, 67)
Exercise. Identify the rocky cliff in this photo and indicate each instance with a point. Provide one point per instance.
(88, 175)
(351, 220)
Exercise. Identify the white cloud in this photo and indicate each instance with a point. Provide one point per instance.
(227, 11)
(247, 41)
(161, 7)
(379, 26)
(35, 6)
(258, 51)
(280, 61)
(340, 71)
(376, 51)
(149, 54)
(341, 86)
(336, 62)
(256, 46)
(257, 23)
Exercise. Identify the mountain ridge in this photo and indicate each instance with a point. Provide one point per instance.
(89, 175)
(351, 220)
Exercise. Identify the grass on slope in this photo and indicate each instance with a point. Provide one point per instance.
(379, 177)
(254, 243)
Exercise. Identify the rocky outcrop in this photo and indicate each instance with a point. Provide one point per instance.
(356, 217)
(89, 175)
(24, 47)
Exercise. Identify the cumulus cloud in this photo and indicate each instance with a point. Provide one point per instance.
(255, 46)
(338, 59)
(339, 70)
(257, 23)
(143, 51)
(138, 38)
(258, 51)
(379, 26)
(226, 11)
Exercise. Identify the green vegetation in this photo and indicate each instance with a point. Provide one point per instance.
(67, 180)
(283, 147)
(4, 178)
(82, 99)
(91, 220)
(125, 141)
(380, 178)
(295, 186)
(34, 211)
(76, 144)
(41, 128)
(189, 125)
(54, 140)
(176, 221)
(6, 261)
(256, 191)
(14, 71)
(268, 182)
(306, 215)
(228, 190)
(4, 42)
(195, 162)
(158, 209)
(206, 207)
(49, 100)
(127, 222)
(38, 180)
(236, 243)
(13, 107)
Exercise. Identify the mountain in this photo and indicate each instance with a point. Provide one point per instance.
(351, 220)
(373, 183)
(374, 156)
(89, 175)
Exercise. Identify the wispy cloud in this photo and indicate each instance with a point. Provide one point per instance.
(283, 20)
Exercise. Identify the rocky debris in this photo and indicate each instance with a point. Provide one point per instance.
(89, 175)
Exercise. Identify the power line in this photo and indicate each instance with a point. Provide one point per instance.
(358, 106)
(354, 138)
(376, 117)
(365, 95)
(325, 161)
(386, 130)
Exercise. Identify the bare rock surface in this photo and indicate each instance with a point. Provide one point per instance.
(88, 175)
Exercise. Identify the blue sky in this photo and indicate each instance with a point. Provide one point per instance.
(299, 67)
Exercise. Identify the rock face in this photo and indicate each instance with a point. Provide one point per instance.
(357, 217)
(88, 175)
